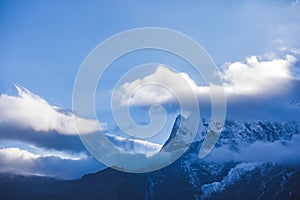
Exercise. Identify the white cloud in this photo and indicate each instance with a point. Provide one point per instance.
(46, 163)
(40, 152)
(254, 76)
(147, 91)
(20, 155)
(135, 146)
(16, 154)
(16, 160)
(28, 110)
(295, 51)
(251, 77)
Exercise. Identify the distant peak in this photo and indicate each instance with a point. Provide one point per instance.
(174, 131)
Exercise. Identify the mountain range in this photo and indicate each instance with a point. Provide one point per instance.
(251, 160)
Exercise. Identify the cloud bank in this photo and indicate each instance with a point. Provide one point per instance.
(276, 152)
(145, 91)
(250, 78)
(21, 161)
(29, 111)
(257, 77)
(41, 139)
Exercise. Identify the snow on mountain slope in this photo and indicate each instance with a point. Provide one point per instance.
(238, 134)
(235, 136)
(233, 176)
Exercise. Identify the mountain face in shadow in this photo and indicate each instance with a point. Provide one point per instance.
(187, 178)
(174, 131)
(213, 181)
(31, 187)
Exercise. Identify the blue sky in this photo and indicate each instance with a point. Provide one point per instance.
(43, 44)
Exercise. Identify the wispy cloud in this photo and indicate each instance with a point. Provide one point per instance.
(295, 51)
(295, 3)
(260, 151)
(134, 146)
(29, 111)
